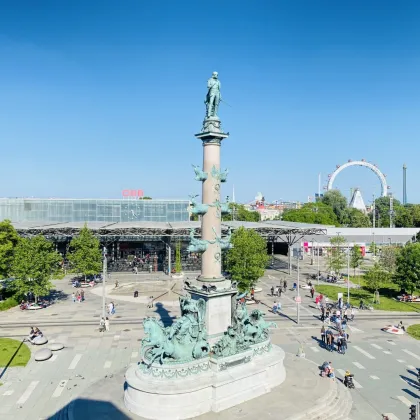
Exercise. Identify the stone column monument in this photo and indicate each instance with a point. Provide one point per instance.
(211, 285)
(216, 355)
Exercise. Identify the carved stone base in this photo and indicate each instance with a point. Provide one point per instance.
(202, 386)
(218, 311)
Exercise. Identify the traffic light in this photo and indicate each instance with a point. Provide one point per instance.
(413, 412)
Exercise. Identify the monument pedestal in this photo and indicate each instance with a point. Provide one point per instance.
(218, 311)
(188, 390)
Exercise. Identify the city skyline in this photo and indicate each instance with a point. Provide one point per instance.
(102, 98)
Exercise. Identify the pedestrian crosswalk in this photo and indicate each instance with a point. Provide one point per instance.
(370, 363)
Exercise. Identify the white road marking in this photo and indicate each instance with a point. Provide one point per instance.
(416, 356)
(9, 392)
(116, 337)
(107, 364)
(356, 384)
(316, 350)
(376, 346)
(374, 377)
(411, 367)
(387, 352)
(343, 373)
(60, 388)
(28, 392)
(404, 400)
(401, 361)
(365, 353)
(53, 358)
(354, 329)
(392, 343)
(75, 361)
(358, 365)
(134, 354)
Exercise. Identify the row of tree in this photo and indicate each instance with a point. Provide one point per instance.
(332, 209)
(34, 262)
(401, 265)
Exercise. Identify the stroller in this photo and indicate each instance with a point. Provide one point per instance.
(348, 380)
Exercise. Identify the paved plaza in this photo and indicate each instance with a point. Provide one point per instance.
(384, 365)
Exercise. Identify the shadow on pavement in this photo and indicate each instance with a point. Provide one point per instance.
(411, 382)
(90, 409)
(411, 393)
(164, 314)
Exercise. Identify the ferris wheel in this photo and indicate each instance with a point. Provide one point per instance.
(382, 177)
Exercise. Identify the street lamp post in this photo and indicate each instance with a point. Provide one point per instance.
(104, 280)
(317, 256)
(298, 287)
(312, 251)
(348, 273)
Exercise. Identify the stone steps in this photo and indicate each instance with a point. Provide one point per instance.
(334, 405)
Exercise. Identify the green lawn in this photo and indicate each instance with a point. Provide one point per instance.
(8, 303)
(414, 331)
(386, 298)
(8, 348)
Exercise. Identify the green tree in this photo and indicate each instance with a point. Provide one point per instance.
(248, 258)
(9, 239)
(178, 265)
(85, 255)
(317, 213)
(356, 258)
(388, 258)
(336, 258)
(239, 212)
(382, 207)
(34, 264)
(415, 212)
(374, 248)
(375, 277)
(403, 217)
(337, 202)
(407, 272)
(355, 218)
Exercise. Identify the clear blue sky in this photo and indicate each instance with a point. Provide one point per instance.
(98, 96)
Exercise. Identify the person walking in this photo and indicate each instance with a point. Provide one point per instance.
(323, 335)
(272, 290)
(102, 325)
(82, 295)
(312, 292)
(322, 313)
(73, 296)
(274, 307)
(346, 314)
(106, 324)
(285, 286)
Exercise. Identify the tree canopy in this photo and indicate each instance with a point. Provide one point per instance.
(388, 258)
(34, 264)
(375, 277)
(355, 218)
(85, 255)
(9, 239)
(356, 258)
(336, 258)
(337, 202)
(407, 272)
(317, 213)
(248, 258)
(241, 213)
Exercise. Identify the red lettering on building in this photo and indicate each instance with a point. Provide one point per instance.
(132, 193)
